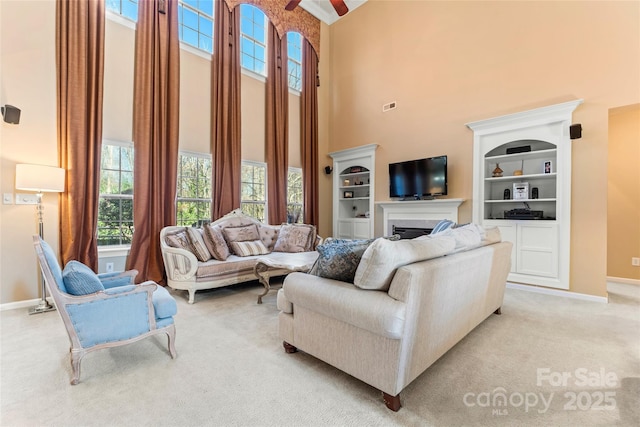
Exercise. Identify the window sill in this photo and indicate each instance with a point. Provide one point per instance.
(113, 251)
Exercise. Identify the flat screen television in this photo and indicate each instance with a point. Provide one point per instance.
(418, 178)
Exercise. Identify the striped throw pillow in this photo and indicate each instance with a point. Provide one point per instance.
(198, 247)
(248, 248)
(445, 224)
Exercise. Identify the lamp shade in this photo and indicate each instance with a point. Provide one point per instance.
(40, 178)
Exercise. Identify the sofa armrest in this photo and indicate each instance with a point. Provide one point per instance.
(180, 264)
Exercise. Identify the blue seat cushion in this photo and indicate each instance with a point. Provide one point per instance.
(80, 280)
(163, 303)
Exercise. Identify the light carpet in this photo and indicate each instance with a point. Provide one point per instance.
(231, 370)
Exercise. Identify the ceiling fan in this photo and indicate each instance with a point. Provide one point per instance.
(339, 5)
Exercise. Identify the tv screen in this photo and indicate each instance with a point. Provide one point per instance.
(418, 178)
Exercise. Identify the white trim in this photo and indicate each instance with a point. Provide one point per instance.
(120, 19)
(113, 251)
(251, 73)
(557, 293)
(195, 50)
(624, 280)
(23, 304)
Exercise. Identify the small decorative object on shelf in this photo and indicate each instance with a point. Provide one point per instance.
(520, 190)
(548, 166)
(347, 182)
(348, 195)
(519, 171)
(497, 172)
(356, 169)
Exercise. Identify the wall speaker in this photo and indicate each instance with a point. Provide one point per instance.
(507, 194)
(328, 169)
(575, 131)
(534, 193)
(10, 114)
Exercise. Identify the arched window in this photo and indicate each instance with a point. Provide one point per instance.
(294, 66)
(253, 44)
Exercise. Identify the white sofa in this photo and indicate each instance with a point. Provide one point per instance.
(388, 337)
(185, 271)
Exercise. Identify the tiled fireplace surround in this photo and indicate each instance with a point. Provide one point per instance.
(417, 213)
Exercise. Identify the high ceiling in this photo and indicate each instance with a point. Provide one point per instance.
(323, 10)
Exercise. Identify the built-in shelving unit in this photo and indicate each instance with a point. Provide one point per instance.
(533, 150)
(353, 192)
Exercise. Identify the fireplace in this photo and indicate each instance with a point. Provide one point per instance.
(410, 232)
(419, 216)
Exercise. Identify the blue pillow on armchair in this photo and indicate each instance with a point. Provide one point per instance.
(80, 279)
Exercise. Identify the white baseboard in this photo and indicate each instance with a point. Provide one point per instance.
(623, 280)
(557, 292)
(23, 304)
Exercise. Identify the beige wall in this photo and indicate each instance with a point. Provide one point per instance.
(623, 220)
(28, 81)
(450, 63)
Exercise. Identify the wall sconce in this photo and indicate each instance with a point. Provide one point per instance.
(10, 114)
(41, 179)
(328, 170)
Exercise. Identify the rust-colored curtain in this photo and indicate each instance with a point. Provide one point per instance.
(277, 111)
(225, 111)
(80, 75)
(155, 133)
(309, 133)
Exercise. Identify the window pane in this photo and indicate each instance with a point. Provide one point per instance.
(253, 35)
(126, 182)
(206, 6)
(189, 36)
(206, 25)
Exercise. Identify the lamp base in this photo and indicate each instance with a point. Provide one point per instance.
(43, 307)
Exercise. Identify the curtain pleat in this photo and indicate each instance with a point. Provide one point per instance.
(155, 133)
(225, 111)
(277, 122)
(309, 133)
(80, 74)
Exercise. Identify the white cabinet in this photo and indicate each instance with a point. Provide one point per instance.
(530, 199)
(353, 192)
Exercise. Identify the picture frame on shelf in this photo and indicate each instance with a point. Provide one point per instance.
(520, 190)
(547, 167)
(347, 195)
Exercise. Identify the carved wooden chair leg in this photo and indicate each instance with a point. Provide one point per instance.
(288, 347)
(498, 311)
(76, 357)
(171, 333)
(392, 402)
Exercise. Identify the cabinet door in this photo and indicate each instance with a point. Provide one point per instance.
(361, 229)
(345, 229)
(538, 249)
(509, 234)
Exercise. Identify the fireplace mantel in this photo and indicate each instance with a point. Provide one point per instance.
(418, 210)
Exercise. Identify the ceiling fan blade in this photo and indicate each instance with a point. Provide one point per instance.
(340, 7)
(292, 4)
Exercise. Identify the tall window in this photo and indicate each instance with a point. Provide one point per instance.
(253, 39)
(294, 64)
(254, 190)
(195, 23)
(294, 196)
(126, 8)
(115, 206)
(193, 206)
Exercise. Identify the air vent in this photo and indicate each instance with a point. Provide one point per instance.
(389, 106)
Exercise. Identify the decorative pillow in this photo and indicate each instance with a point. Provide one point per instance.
(179, 240)
(241, 233)
(443, 225)
(339, 259)
(80, 279)
(295, 238)
(248, 248)
(269, 235)
(214, 239)
(383, 257)
(198, 247)
(466, 237)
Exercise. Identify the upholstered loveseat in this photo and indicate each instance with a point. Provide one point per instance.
(226, 251)
(409, 303)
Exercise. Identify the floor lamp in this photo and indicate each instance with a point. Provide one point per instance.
(41, 179)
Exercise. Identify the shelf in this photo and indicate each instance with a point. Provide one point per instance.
(538, 154)
(522, 177)
(349, 187)
(520, 200)
(347, 175)
(354, 198)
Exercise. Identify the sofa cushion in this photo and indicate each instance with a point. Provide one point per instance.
(198, 247)
(164, 304)
(295, 238)
(466, 237)
(214, 239)
(383, 257)
(249, 248)
(338, 259)
(269, 235)
(80, 280)
(241, 233)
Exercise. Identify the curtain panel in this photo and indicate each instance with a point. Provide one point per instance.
(309, 133)
(277, 126)
(225, 111)
(79, 83)
(155, 133)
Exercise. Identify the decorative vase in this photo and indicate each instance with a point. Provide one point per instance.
(497, 172)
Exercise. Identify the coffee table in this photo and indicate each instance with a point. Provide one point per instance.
(268, 267)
